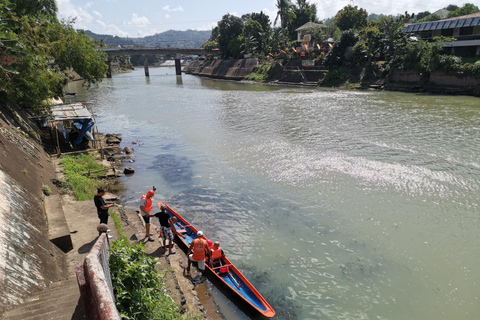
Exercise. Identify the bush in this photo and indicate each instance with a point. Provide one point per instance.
(336, 77)
(337, 56)
(138, 288)
(262, 72)
(46, 190)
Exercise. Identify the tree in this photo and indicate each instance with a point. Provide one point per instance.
(432, 17)
(260, 17)
(467, 8)
(285, 13)
(422, 15)
(252, 33)
(229, 29)
(209, 45)
(451, 7)
(304, 12)
(35, 8)
(42, 52)
(351, 18)
(391, 29)
(78, 51)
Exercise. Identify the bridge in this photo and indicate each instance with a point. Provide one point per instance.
(137, 51)
(177, 52)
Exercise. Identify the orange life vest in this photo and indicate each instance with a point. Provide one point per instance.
(216, 254)
(199, 249)
(148, 203)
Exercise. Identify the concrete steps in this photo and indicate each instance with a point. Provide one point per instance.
(61, 301)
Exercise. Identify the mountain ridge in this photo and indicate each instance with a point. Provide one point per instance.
(169, 38)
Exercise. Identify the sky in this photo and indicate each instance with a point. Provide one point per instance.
(139, 18)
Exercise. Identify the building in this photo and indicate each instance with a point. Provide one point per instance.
(465, 30)
(303, 37)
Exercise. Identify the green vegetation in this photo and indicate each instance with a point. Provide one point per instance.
(351, 18)
(118, 224)
(138, 288)
(466, 9)
(262, 72)
(74, 167)
(37, 51)
(46, 190)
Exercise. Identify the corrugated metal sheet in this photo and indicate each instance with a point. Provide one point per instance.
(445, 24)
(70, 112)
(468, 22)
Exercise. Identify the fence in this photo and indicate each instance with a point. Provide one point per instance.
(95, 283)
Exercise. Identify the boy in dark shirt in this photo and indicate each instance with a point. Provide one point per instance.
(102, 206)
(165, 221)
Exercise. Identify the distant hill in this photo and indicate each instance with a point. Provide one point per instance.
(172, 38)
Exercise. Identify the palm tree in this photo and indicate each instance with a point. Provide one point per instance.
(285, 13)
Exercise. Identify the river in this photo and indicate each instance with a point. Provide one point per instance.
(336, 204)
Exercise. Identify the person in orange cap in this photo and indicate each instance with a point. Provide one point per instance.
(146, 207)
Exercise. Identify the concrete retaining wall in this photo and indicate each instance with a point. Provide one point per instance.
(29, 262)
(443, 79)
(436, 82)
(235, 69)
(404, 76)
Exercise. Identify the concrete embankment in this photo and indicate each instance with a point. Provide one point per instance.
(238, 69)
(29, 261)
(435, 82)
(235, 69)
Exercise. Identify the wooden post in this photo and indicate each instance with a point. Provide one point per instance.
(145, 66)
(178, 66)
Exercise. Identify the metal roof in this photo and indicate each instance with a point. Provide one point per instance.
(72, 111)
(442, 24)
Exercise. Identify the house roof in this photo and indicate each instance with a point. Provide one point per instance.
(309, 25)
(72, 111)
(469, 20)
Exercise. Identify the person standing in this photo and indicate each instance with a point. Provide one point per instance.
(102, 207)
(197, 251)
(165, 227)
(146, 207)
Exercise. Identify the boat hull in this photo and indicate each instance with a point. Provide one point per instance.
(233, 283)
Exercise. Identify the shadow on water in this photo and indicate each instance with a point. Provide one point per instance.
(176, 171)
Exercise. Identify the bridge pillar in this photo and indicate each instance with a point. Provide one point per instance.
(145, 66)
(178, 65)
(109, 70)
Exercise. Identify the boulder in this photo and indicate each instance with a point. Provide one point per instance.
(113, 140)
(128, 170)
(128, 150)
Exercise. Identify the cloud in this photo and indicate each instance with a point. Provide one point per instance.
(136, 21)
(207, 27)
(167, 16)
(98, 14)
(167, 8)
(68, 10)
(111, 29)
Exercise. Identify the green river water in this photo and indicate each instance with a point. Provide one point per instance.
(335, 204)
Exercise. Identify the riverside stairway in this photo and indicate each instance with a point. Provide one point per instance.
(60, 301)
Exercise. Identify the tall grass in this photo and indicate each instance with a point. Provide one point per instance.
(74, 167)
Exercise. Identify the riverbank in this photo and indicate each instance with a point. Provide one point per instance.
(294, 74)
